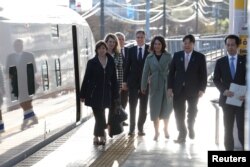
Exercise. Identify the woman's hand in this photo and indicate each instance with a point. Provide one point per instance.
(170, 93)
(124, 86)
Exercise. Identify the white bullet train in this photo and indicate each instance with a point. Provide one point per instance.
(44, 51)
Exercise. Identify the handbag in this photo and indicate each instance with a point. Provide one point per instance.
(115, 127)
(120, 114)
(117, 118)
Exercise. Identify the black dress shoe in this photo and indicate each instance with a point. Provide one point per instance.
(180, 140)
(131, 133)
(141, 134)
(125, 124)
(191, 134)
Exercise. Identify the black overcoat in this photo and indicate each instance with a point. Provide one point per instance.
(99, 86)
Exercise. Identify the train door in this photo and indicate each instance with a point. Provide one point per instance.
(76, 68)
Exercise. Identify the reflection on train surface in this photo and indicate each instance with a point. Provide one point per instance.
(44, 52)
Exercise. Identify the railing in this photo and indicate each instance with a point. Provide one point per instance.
(212, 47)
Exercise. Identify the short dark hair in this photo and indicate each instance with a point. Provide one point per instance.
(235, 37)
(190, 37)
(99, 44)
(140, 32)
(162, 41)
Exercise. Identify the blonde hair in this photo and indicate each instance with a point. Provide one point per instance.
(117, 45)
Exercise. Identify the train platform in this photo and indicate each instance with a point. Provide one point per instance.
(76, 148)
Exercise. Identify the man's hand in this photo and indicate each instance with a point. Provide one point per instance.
(242, 98)
(228, 93)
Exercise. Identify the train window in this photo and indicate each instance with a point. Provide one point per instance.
(31, 79)
(87, 46)
(55, 30)
(13, 83)
(45, 75)
(58, 72)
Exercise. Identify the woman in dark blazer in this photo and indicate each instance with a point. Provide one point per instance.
(100, 88)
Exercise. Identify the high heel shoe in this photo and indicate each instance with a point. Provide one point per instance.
(166, 133)
(96, 141)
(102, 141)
(156, 136)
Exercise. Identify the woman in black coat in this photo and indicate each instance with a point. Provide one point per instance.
(100, 88)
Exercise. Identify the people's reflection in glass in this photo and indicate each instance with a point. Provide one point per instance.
(21, 69)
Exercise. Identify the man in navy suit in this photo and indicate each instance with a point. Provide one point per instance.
(187, 81)
(231, 69)
(132, 80)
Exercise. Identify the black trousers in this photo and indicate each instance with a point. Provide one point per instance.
(232, 113)
(100, 121)
(179, 103)
(134, 96)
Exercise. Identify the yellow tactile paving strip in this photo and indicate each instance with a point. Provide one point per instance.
(116, 153)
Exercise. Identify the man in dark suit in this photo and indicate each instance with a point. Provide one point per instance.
(132, 80)
(187, 81)
(231, 69)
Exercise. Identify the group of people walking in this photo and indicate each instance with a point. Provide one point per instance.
(117, 75)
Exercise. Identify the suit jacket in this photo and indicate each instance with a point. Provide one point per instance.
(125, 57)
(194, 79)
(99, 86)
(133, 69)
(222, 76)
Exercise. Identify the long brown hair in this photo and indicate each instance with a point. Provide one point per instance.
(117, 45)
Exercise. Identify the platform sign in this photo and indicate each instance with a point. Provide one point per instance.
(238, 18)
(243, 45)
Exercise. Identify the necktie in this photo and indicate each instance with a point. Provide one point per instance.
(140, 55)
(186, 61)
(232, 68)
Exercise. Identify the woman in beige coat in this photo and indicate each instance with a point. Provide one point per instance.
(155, 72)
